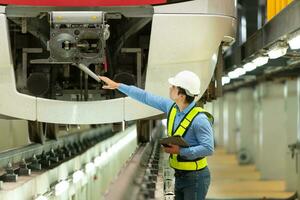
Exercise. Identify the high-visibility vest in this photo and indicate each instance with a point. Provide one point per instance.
(175, 160)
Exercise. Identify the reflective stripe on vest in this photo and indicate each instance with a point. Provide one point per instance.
(181, 131)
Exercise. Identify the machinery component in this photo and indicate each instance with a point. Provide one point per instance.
(61, 154)
(36, 132)
(168, 179)
(148, 188)
(66, 151)
(219, 70)
(139, 176)
(169, 197)
(168, 183)
(244, 156)
(38, 83)
(10, 175)
(88, 71)
(45, 160)
(139, 64)
(35, 165)
(71, 149)
(125, 77)
(293, 147)
(53, 157)
(23, 170)
(77, 146)
(77, 17)
(77, 37)
(22, 70)
(74, 41)
(38, 156)
(118, 149)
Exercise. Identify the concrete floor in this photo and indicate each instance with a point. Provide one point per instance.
(231, 180)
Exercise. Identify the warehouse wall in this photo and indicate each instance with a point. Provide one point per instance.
(264, 120)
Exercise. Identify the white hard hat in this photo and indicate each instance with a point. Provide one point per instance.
(187, 80)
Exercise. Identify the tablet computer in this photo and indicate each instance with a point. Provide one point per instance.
(177, 140)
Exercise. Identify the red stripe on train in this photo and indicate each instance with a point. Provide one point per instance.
(82, 2)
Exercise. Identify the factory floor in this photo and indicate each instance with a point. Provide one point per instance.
(233, 181)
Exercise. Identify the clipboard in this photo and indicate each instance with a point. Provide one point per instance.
(177, 140)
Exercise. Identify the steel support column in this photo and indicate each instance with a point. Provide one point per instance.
(273, 131)
(298, 134)
(292, 110)
(245, 117)
(257, 128)
(230, 131)
(217, 134)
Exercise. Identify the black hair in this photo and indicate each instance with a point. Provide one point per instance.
(188, 99)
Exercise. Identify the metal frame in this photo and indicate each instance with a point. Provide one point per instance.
(138, 52)
(276, 30)
(34, 11)
(287, 21)
(16, 155)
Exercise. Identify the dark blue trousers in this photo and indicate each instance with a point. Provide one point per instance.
(192, 185)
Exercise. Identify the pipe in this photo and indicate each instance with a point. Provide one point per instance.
(88, 71)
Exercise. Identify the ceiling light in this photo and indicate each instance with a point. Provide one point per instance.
(240, 71)
(225, 80)
(249, 66)
(294, 42)
(261, 60)
(236, 73)
(277, 51)
(233, 74)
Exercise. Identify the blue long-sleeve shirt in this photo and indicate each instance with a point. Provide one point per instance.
(200, 134)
